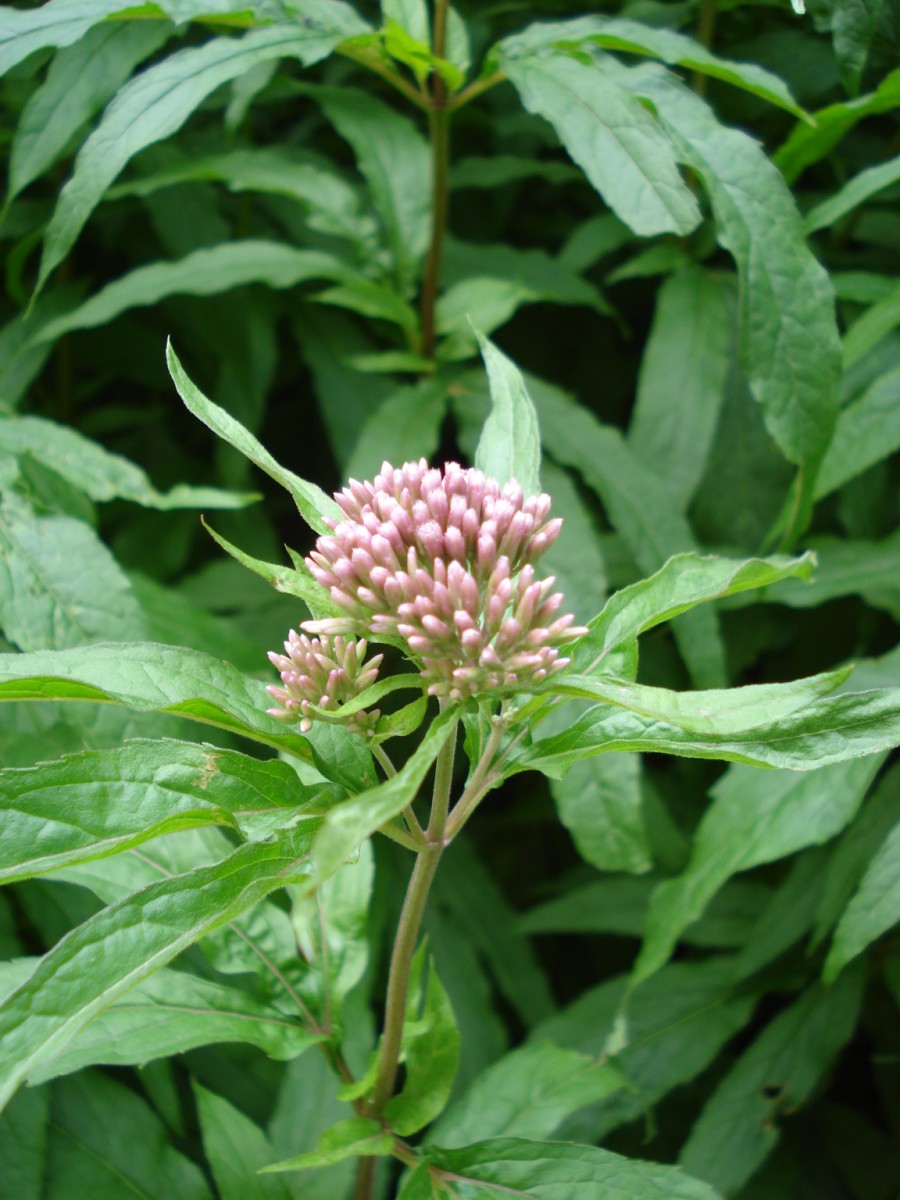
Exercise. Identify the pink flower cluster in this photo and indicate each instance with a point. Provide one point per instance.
(324, 672)
(443, 559)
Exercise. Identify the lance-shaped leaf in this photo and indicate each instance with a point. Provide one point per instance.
(101, 802)
(789, 346)
(621, 147)
(58, 23)
(293, 581)
(151, 678)
(755, 818)
(740, 1124)
(685, 581)
(111, 952)
(874, 909)
(205, 272)
(867, 431)
(860, 188)
(349, 1139)
(724, 711)
(550, 1169)
(169, 1013)
(510, 444)
(828, 731)
(100, 474)
(157, 102)
(634, 37)
(311, 501)
(350, 823)
(237, 1149)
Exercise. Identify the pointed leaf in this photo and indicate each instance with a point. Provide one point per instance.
(237, 1150)
(874, 909)
(510, 444)
(353, 1138)
(867, 431)
(857, 191)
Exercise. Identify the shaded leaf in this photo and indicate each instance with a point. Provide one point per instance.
(236, 1149)
(857, 191)
(355, 1137)
(509, 448)
(867, 431)
(873, 910)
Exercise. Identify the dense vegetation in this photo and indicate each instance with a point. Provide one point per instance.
(679, 222)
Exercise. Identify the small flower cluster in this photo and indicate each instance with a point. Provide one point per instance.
(444, 560)
(324, 673)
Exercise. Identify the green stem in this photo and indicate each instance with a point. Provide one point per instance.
(369, 60)
(439, 128)
(478, 88)
(706, 24)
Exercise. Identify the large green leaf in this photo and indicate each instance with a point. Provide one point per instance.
(169, 1013)
(58, 23)
(857, 191)
(205, 272)
(237, 1149)
(613, 138)
(98, 473)
(849, 568)
(789, 346)
(527, 1094)
(682, 380)
(741, 1121)
(111, 952)
(874, 909)
(601, 805)
(828, 731)
(546, 1170)
(59, 585)
(755, 818)
(653, 41)
(151, 678)
(79, 82)
(101, 802)
(311, 501)
(157, 102)
(867, 431)
(510, 444)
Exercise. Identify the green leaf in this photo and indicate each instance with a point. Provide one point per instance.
(293, 581)
(526, 1094)
(356, 1137)
(406, 427)
(754, 818)
(868, 330)
(740, 1124)
(601, 805)
(350, 823)
(874, 909)
(96, 963)
(686, 580)
(101, 802)
(849, 568)
(682, 379)
(79, 82)
(621, 148)
(169, 1013)
(789, 348)
(58, 23)
(394, 158)
(853, 26)
(59, 585)
(857, 191)
(635, 37)
(311, 501)
(23, 1145)
(237, 1150)
(151, 678)
(157, 102)
(98, 473)
(828, 731)
(808, 144)
(431, 1052)
(206, 272)
(411, 15)
(867, 431)
(510, 444)
(545, 1170)
(576, 559)
(475, 171)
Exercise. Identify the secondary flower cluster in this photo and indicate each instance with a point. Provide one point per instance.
(323, 672)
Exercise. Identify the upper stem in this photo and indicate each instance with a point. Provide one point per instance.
(439, 128)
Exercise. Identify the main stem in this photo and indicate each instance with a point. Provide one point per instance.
(439, 124)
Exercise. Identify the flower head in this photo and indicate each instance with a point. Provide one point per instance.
(323, 672)
(444, 560)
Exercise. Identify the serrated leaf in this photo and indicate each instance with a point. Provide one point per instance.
(549, 1169)
(527, 1093)
(353, 1138)
(311, 501)
(101, 802)
(124, 943)
(613, 138)
(431, 1054)
(79, 82)
(740, 1124)
(169, 1013)
(237, 1149)
(157, 102)
(789, 348)
(100, 474)
(873, 910)
(682, 379)
(205, 272)
(509, 448)
(754, 818)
